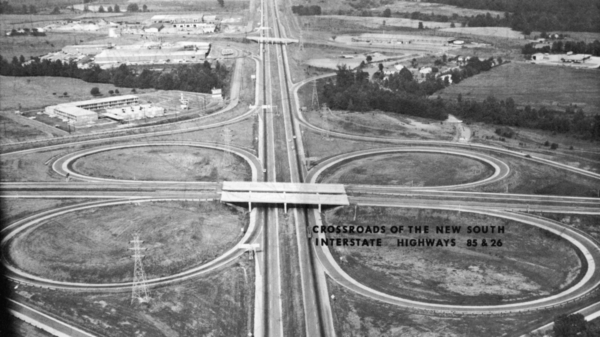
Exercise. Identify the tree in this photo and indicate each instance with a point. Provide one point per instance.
(95, 91)
(387, 13)
(144, 8)
(56, 10)
(571, 325)
(65, 93)
(554, 146)
(110, 9)
(421, 25)
(117, 9)
(101, 10)
(381, 67)
(111, 92)
(116, 91)
(24, 9)
(133, 8)
(369, 58)
(452, 25)
(221, 3)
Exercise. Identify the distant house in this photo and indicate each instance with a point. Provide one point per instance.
(447, 76)
(154, 28)
(537, 57)
(399, 67)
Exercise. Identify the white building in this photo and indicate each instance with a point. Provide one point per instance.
(217, 95)
(135, 112)
(82, 112)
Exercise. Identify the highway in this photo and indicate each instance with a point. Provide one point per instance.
(280, 157)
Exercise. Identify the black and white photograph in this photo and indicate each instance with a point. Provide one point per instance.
(300, 168)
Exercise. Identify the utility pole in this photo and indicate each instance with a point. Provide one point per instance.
(139, 288)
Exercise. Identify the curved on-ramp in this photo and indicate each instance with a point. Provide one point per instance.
(501, 169)
(63, 165)
(588, 283)
(34, 221)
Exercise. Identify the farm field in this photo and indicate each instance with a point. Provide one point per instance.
(530, 263)
(218, 304)
(164, 163)
(535, 85)
(409, 169)
(179, 235)
(378, 22)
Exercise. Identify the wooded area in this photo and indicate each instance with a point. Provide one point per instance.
(195, 78)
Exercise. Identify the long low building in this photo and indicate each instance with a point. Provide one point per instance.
(152, 55)
(82, 112)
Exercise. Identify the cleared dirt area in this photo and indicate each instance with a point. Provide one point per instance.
(535, 85)
(358, 316)
(92, 245)
(412, 169)
(165, 163)
(531, 262)
(381, 124)
(220, 304)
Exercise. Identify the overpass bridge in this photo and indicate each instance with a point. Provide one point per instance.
(272, 40)
(284, 193)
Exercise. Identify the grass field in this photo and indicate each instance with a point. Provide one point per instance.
(219, 304)
(412, 169)
(358, 316)
(531, 262)
(166, 163)
(14, 209)
(35, 46)
(527, 177)
(535, 85)
(30, 166)
(12, 131)
(177, 235)
(39, 92)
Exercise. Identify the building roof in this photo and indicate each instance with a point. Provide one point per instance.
(75, 111)
(99, 100)
(177, 17)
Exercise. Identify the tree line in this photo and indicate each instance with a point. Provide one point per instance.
(355, 92)
(400, 93)
(306, 10)
(7, 8)
(195, 78)
(560, 47)
(541, 15)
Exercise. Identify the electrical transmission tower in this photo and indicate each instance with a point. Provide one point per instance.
(315, 97)
(140, 288)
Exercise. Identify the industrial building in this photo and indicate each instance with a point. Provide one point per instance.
(82, 112)
(182, 18)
